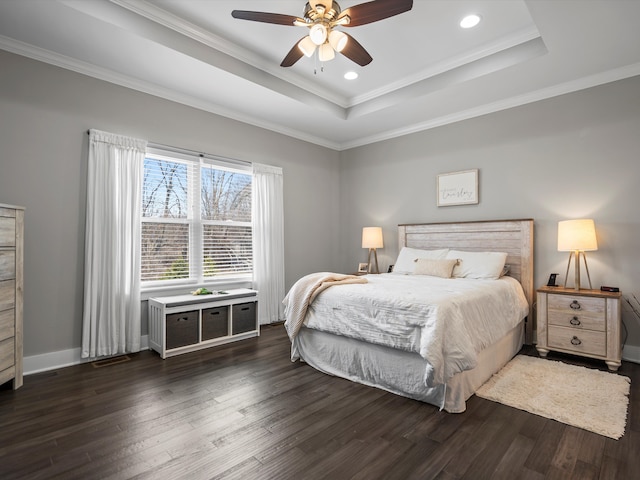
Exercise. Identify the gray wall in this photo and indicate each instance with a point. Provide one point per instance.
(568, 157)
(45, 113)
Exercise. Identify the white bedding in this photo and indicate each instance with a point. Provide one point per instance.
(446, 321)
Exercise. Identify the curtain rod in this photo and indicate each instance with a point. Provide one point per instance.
(185, 151)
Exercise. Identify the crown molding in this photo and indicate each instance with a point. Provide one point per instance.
(62, 61)
(532, 97)
(84, 68)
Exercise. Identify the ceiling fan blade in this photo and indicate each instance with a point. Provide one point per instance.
(376, 10)
(356, 52)
(265, 17)
(293, 56)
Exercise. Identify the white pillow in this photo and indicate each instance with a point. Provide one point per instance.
(478, 264)
(435, 267)
(406, 261)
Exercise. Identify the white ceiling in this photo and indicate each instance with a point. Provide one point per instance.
(426, 70)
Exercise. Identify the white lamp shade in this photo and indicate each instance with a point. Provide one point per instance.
(338, 40)
(307, 46)
(577, 235)
(318, 33)
(326, 53)
(372, 237)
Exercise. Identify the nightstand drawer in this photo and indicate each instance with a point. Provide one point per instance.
(587, 306)
(578, 341)
(578, 320)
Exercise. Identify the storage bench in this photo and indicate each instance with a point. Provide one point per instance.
(185, 323)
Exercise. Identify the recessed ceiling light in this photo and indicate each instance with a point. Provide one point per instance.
(470, 21)
(351, 75)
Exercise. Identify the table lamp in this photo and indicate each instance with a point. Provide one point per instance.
(372, 239)
(577, 237)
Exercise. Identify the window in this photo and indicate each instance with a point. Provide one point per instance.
(196, 220)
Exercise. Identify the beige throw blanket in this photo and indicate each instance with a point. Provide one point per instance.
(305, 290)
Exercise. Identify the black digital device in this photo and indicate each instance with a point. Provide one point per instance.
(604, 288)
(552, 280)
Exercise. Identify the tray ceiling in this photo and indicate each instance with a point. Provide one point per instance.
(426, 70)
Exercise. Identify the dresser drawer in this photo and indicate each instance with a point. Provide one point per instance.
(7, 353)
(7, 232)
(578, 341)
(7, 324)
(7, 264)
(7, 294)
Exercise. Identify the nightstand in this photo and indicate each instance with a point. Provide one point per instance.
(580, 322)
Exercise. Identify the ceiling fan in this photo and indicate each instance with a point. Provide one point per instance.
(321, 17)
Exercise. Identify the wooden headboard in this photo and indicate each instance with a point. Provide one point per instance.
(515, 237)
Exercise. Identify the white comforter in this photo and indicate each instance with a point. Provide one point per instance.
(446, 321)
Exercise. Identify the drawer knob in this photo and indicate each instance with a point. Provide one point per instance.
(574, 321)
(575, 305)
(576, 341)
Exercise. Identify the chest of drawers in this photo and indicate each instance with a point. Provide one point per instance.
(11, 286)
(580, 322)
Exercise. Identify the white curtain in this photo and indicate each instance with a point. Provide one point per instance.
(268, 241)
(111, 314)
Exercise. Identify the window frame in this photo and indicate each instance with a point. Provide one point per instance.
(195, 223)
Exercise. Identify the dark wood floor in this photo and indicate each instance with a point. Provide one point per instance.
(244, 411)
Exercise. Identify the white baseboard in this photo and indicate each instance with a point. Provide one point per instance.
(63, 358)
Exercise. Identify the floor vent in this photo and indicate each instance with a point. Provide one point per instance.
(110, 361)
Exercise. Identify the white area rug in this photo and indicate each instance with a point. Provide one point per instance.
(589, 399)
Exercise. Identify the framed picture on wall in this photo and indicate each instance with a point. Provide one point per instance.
(457, 188)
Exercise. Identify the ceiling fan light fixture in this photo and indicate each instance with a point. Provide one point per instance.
(318, 33)
(326, 53)
(338, 40)
(343, 20)
(307, 46)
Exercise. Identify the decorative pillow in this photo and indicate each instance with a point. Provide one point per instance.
(506, 269)
(483, 265)
(436, 268)
(405, 262)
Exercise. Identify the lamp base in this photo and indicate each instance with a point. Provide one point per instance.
(375, 256)
(577, 269)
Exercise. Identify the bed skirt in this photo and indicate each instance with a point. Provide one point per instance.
(402, 372)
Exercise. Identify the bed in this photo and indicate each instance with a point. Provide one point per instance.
(423, 336)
